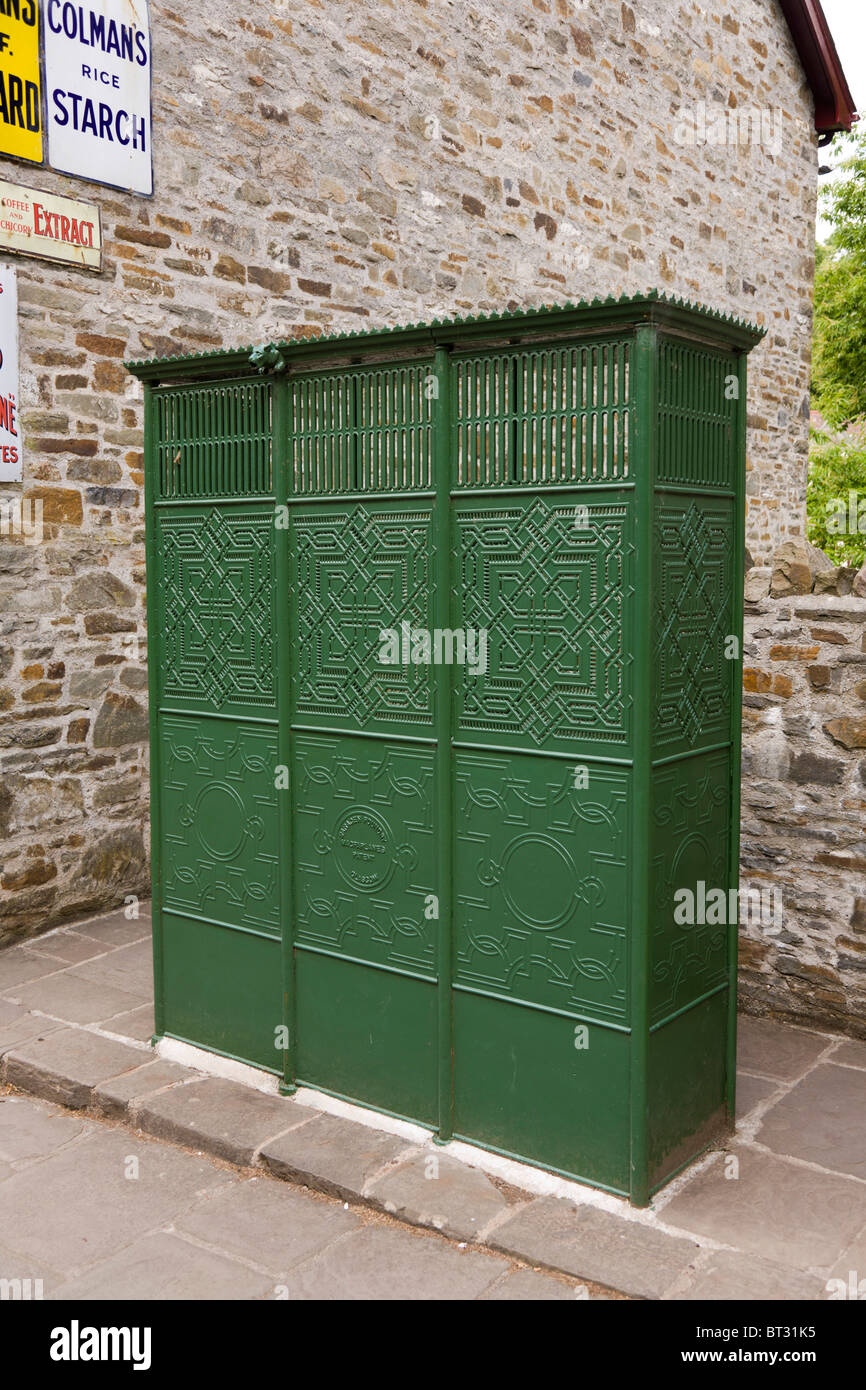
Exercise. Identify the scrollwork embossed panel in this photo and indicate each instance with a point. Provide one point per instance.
(690, 846)
(541, 880)
(219, 812)
(363, 842)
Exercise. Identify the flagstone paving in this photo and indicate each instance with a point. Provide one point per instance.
(124, 1175)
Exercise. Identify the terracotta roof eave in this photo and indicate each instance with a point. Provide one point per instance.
(835, 108)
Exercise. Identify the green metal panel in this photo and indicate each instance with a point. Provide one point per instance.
(213, 708)
(447, 890)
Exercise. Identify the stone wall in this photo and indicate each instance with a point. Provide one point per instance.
(804, 798)
(323, 166)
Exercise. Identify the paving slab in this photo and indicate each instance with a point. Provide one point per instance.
(66, 1065)
(333, 1155)
(116, 929)
(851, 1054)
(777, 1209)
(164, 1266)
(219, 1117)
(267, 1222)
(113, 1098)
(437, 1191)
(768, 1048)
(382, 1265)
(596, 1245)
(527, 1286)
(123, 967)
(30, 1129)
(822, 1119)
(731, 1275)
(751, 1091)
(95, 1198)
(42, 1279)
(19, 966)
(18, 1025)
(138, 1024)
(68, 946)
(74, 1000)
(851, 1269)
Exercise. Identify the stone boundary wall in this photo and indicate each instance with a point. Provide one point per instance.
(804, 794)
(325, 166)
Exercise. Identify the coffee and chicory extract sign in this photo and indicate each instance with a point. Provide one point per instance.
(33, 223)
(91, 95)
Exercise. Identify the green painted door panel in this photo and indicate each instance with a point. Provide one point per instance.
(221, 990)
(367, 1035)
(536, 1086)
(687, 1101)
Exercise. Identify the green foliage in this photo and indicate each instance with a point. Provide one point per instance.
(839, 360)
(836, 496)
(844, 202)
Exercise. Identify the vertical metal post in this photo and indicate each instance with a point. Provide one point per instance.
(153, 589)
(286, 629)
(444, 755)
(737, 603)
(644, 435)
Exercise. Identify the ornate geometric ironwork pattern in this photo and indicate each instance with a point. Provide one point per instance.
(219, 809)
(541, 878)
(357, 572)
(693, 616)
(690, 846)
(551, 583)
(698, 405)
(213, 441)
(217, 643)
(542, 416)
(363, 846)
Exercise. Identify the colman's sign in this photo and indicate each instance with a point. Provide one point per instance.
(91, 94)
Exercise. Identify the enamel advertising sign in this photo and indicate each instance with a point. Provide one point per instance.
(20, 81)
(97, 91)
(10, 443)
(34, 223)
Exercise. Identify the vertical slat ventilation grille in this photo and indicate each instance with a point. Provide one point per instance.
(362, 430)
(698, 403)
(545, 416)
(213, 441)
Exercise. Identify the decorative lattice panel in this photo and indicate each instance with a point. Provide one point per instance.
(362, 430)
(360, 571)
(693, 663)
(550, 583)
(542, 416)
(697, 413)
(216, 599)
(213, 441)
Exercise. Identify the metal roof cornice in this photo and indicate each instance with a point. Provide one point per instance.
(515, 324)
